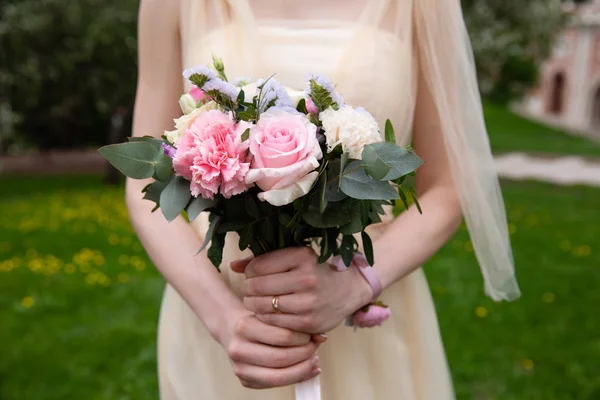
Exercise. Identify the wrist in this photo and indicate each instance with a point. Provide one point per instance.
(361, 290)
(223, 328)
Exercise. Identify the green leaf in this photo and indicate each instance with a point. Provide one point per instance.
(347, 249)
(324, 256)
(267, 230)
(198, 205)
(241, 97)
(374, 165)
(332, 191)
(246, 237)
(175, 197)
(251, 206)
(152, 192)
(284, 219)
(198, 79)
(368, 248)
(163, 168)
(301, 107)
(246, 135)
(134, 159)
(358, 185)
(354, 226)
(157, 143)
(343, 162)
(390, 136)
(215, 252)
(400, 161)
(322, 186)
(374, 217)
(231, 226)
(331, 218)
(246, 116)
(403, 197)
(214, 222)
(413, 194)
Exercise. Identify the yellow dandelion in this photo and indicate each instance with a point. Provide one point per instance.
(140, 266)
(512, 229)
(99, 260)
(123, 277)
(90, 279)
(113, 239)
(27, 302)
(481, 312)
(70, 269)
(548, 297)
(528, 364)
(582, 251)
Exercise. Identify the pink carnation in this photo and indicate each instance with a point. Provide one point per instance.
(375, 315)
(212, 156)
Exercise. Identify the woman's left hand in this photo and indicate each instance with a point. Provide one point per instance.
(313, 298)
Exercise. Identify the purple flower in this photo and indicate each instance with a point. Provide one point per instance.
(200, 70)
(274, 92)
(222, 87)
(169, 150)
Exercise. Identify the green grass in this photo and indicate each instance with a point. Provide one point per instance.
(510, 132)
(79, 300)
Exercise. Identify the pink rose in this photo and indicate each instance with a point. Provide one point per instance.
(375, 315)
(212, 156)
(286, 152)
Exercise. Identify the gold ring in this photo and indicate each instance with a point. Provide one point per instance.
(275, 304)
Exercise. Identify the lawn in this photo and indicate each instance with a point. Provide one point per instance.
(79, 299)
(510, 132)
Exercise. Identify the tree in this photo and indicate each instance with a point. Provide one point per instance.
(67, 66)
(510, 39)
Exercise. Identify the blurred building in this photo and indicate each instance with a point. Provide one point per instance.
(569, 91)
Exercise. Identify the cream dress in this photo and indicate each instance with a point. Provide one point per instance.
(369, 49)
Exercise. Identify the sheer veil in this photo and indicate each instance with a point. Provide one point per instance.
(446, 60)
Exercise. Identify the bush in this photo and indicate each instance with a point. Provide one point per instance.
(68, 66)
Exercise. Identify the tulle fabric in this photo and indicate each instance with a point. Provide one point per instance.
(373, 50)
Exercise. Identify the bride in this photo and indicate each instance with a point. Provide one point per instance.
(408, 60)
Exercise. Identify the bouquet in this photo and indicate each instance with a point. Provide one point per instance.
(277, 166)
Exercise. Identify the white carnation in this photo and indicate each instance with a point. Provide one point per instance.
(185, 121)
(352, 128)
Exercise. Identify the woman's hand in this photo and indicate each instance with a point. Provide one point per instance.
(313, 298)
(265, 356)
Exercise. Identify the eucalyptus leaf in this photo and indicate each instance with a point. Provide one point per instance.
(354, 226)
(214, 222)
(374, 165)
(175, 197)
(198, 205)
(251, 206)
(134, 159)
(358, 185)
(400, 161)
(343, 162)
(329, 219)
(368, 248)
(163, 168)
(324, 255)
(390, 136)
(347, 249)
(157, 143)
(332, 191)
(152, 192)
(246, 236)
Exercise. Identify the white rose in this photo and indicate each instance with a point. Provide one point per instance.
(187, 103)
(185, 121)
(352, 128)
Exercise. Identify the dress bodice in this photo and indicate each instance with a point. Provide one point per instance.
(371, 67)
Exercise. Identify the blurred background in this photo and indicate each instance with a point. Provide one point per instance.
(79, 299)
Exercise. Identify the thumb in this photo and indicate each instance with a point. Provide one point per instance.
(239, 266)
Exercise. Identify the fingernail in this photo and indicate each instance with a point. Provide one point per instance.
(316, 372)
(324, 336)
(315, 360)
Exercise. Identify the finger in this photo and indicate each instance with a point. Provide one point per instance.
(239, 266)
(281, 260)
(319, 338)
(258, 331)
(288, 321)
(278, 284)
(261, 377)
(288, 304)
(262, 355)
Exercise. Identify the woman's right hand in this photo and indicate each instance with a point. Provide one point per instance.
(265, 356)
